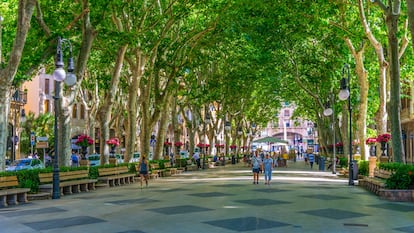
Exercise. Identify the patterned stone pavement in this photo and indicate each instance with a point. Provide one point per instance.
(221, 199)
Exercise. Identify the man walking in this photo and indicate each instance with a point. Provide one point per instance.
(256, 166)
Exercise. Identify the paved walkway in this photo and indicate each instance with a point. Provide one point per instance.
(217, 200)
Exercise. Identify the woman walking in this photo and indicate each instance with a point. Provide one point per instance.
(268, 168)
(143, 171)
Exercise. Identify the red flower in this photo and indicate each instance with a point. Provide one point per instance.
(371, 141)
(233, 147)
(410, 173)
(201, 145)
(167, 143)
(178, 144)
(384, 137)
(339, 144)
(219, 145)
(113, 142)
(84, 140)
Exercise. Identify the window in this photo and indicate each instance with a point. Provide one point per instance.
(46, 106)
(82, 112)
(287, 113)
(75, 111)
(47, 86)
(287, 124)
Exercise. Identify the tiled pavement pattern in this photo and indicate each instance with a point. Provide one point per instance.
(217, 200)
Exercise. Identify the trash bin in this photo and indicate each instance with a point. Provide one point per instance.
(321, 163)
(355, 169)
(233, 159)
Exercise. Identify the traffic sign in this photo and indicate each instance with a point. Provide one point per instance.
(42, 139)
(153, 140)
(32, 138)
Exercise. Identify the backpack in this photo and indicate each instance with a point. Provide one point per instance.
(74, 158)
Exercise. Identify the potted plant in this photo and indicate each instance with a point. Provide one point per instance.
(113, 143)
(84, 141)
(383, 139)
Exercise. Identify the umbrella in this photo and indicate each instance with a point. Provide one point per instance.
(271, 140)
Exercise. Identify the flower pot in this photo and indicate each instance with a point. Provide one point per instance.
(372, 164)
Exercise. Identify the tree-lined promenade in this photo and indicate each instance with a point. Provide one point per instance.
(146, 65)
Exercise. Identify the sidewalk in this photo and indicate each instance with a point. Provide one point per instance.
(222, 200)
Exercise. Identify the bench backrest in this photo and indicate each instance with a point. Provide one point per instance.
(154, 166)
(63, 176)
(382, 173)
(167, 165)
(8, 181)
(109, 171)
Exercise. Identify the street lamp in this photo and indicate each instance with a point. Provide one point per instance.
(59, 75)
(345, 93)
(329, 111)
(206, 122)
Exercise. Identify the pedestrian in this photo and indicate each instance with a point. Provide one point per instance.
(268, 168)
(256, 166)
(196, 157)
(311, 158)
(75, 159)
(172, 159)
(143, 171)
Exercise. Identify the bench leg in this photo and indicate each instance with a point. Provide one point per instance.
(91, 186)
(75, 188)
(3, 201)
(22, 197)
(12, 199)
(84, 187)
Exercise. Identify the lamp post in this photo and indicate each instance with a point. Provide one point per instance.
(329, 111)
(345, 93)
(240, 133)
(59, 75)
(227, 128)
(19, 99)
(206, 122)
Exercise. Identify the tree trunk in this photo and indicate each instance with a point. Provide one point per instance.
(395, 103)
(7, 74)
(382, 116)
(106, 107)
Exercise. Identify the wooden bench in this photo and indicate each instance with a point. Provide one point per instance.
(151, 173)
(155, 168)
(377, 183)
(69, 182)
(190, 166)
(114, 176)
(9, 193)
(168, 170)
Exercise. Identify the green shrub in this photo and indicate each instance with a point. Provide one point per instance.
(93, 172)
(343, 162)
(363, 167)
(29, 179)
(402, 178)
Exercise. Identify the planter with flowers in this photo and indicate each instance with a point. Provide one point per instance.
(373, 158)
(384, 139)
(340, 147)
(113, 143)
(178, 146)
(371, 143)
(84, 141)
(167, 145)
(233, 147)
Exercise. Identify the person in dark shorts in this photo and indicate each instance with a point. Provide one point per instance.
(143, 171)
(256, 163)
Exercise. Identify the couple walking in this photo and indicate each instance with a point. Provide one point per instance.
(259, 165)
